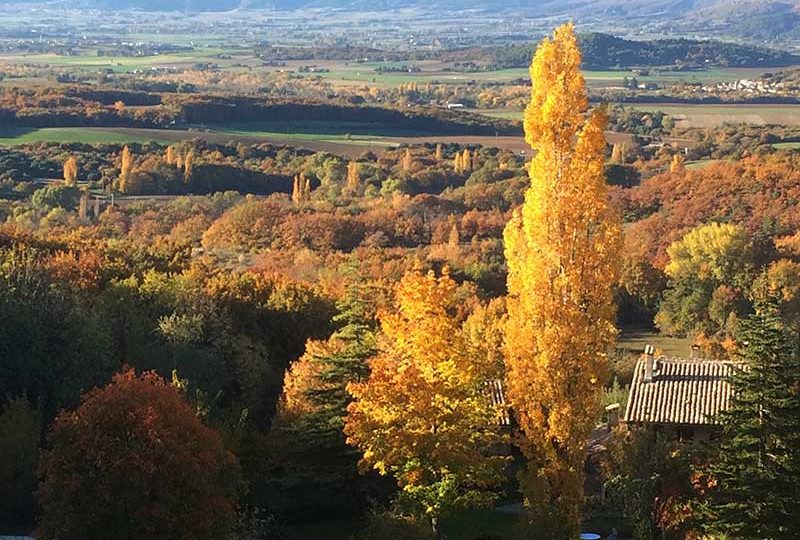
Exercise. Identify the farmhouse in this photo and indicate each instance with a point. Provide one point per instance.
(682, 395)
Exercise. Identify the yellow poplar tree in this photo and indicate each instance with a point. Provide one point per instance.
(422, 415)
(188, 166)
(438, 153)
(297, 194)
(562, 246)
(466, 163)
(677, 164)
(618, 153)
(125, 170)
(353, 179)
(170, 158)
(407, 160)
(70, 171)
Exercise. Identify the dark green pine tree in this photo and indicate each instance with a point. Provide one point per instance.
(319, 472)
(357, 338)
(757, 470)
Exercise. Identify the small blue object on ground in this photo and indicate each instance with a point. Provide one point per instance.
(590, 536)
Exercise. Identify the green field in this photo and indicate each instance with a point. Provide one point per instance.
(634, 340)
(504, 114)
(14, 136)
(787, 145)
(699, 164)
(91, 62)
(350, 133)
(433, 72)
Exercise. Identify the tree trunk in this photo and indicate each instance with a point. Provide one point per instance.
(435, 527)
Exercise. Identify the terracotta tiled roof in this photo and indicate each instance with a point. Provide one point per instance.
(682, 391)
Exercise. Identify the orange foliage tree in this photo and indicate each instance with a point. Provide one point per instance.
(562, 248)
(134, 462)
(423, 416)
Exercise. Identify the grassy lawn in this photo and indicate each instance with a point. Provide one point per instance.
(634, 340)
(348, 133)
(14, 136)
(91, 61)
(787, 145)
(699, 164)
(505, 114)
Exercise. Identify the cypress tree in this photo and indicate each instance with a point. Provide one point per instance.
(756, 475)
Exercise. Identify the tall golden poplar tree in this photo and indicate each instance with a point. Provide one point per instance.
(188, 166)
(297, 194)
(170, 157)
(438, 153)
(562, 247)
(677, 164)
(618, 153)
(125, 170)
(70, 171)
(353, 179)
(466, 160)
(408, 160)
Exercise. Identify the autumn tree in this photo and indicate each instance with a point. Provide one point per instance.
(70, 171)
(709, 270)
(438, 152)
(466, 160)
(618, 153)
(297, 192)
(353, 182)
(170, 157)
(423, 416)
(188, 166)
(134, 462)
(779, 284)
(125, 170)
(677, 165)
(562, 248)
(408, 160)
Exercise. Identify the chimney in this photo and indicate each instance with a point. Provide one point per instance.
(612, 414)
(649, 361)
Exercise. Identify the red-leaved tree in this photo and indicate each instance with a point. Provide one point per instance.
(134, 462)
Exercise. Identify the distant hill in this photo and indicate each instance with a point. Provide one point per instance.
(603, 51)
(751, 19)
